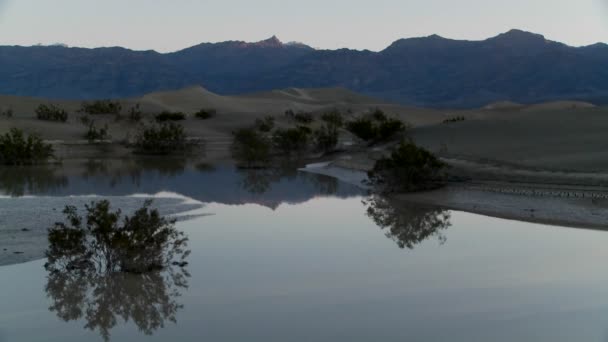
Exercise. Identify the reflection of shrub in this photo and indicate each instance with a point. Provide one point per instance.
(107, 242)
(101, 107)
(96, 134)
(376, 128)
(265, 125)
(170, 116)
(205, 114)
(250, 148)
(409, 168)
(17, 149)
(406, 225)
(291, 140)
(161, 139)
(51, 113)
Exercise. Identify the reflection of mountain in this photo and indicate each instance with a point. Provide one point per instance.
(406, 225)
(223, 184)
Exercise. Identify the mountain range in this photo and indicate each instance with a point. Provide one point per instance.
(430, 71)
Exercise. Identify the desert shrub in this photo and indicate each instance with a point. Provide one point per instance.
(265, 125)
(250, 148)
(454, 119)
(389, 128)
(17, 149)
(161, 139)
(291, 140)
(363, 128)
(326, 138)
(51, 113)
(205, 114)
(106, 242)
(290, 114)
(376, 128)
(101, 107)
(408, 168)
(135, 113)
(6, 113)
(333, 118)
(303, 118)
(96, 134)
(170, 116)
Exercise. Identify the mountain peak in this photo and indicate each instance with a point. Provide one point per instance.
(270, 42)
(516, 36)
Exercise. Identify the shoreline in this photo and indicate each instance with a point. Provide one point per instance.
(568, 205)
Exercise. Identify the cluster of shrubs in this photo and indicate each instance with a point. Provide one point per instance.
(377, 127)
(454, 119)
(265, 125)
(101, 107)
(161, 139)
(96, 134)
(205, 114)
(170, 116)
(135, 113)
(18, 149)
(51, 113)
(6, 113)
(253, 147)
(299, 117)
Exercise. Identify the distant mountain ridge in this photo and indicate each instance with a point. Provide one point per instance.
(430, 71)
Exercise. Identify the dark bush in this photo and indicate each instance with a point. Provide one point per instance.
(454, 119)
(251, 148)
(265, 125)
(106, 241)
(409, 168)
(333, 118)
(205, 114)
(161, 139)
(292, 140)
(6, 113)
(101, 107)
(51, 113)
(303, 118)
(96, 134)
(170, 116)
(389, 128)
(17, 149)
(326, 138)
(376, 128)
(135, 113)
(364, 128)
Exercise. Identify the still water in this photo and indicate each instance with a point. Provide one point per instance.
(290, 256)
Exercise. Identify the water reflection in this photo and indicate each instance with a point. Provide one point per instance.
(407, 225)
(221, 183)
(148, 300)
(102, 268)
(19, 181)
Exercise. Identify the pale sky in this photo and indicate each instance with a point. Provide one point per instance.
(165, 25)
